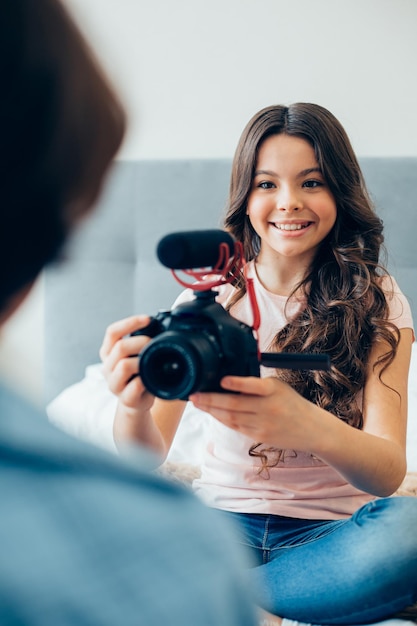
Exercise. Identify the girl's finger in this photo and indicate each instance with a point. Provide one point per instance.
(120, 329)
(228, 403)
(135, 396)
(249, 385)
(122, 374)
(124, 349)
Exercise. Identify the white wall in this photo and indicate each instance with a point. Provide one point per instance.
(192, 72)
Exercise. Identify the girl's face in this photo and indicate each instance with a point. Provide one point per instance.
(290, 206)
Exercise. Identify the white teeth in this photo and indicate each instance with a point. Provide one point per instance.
(290, 226)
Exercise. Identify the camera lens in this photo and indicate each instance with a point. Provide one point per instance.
(174, 365)
(170, 367)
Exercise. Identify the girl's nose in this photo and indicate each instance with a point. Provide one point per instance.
(288, 200)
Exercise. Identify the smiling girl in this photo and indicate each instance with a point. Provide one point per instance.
(303, 461)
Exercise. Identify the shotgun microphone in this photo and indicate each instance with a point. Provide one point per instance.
(193, 249)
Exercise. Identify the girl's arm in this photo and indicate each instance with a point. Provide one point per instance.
(140, 416)
(270, 411)
(380, 463)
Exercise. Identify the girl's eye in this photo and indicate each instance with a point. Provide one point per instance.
(312, 184)
(266, 184)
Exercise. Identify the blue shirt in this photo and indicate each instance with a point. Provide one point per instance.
(87, 538)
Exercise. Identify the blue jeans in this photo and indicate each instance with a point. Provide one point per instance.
(352, 571)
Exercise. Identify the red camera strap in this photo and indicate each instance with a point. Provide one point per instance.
(227, 269)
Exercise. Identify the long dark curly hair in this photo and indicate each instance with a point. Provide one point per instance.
(346, 309)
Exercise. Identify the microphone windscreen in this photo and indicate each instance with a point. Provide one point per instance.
(193, 249)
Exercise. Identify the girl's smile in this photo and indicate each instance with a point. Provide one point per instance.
(290, 205)
(291, 228)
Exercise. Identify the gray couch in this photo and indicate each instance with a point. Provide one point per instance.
(111, 269)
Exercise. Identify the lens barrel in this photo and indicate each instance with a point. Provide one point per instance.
(174, 364)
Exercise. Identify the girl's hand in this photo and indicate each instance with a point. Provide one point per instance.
(265, 409)
(119, 354)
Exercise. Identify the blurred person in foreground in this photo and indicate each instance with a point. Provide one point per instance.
(86, 538)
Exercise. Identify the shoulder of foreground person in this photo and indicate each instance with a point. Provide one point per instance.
(88, 538)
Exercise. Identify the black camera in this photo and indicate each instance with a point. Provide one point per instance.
(197, 343)
(193, 347)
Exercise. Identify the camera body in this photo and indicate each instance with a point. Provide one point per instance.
(193, 347)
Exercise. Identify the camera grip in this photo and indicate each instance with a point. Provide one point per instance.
(153, 329)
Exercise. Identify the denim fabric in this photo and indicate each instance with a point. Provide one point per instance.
(352, 571)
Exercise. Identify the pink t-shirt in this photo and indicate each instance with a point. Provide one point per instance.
(301, 486)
